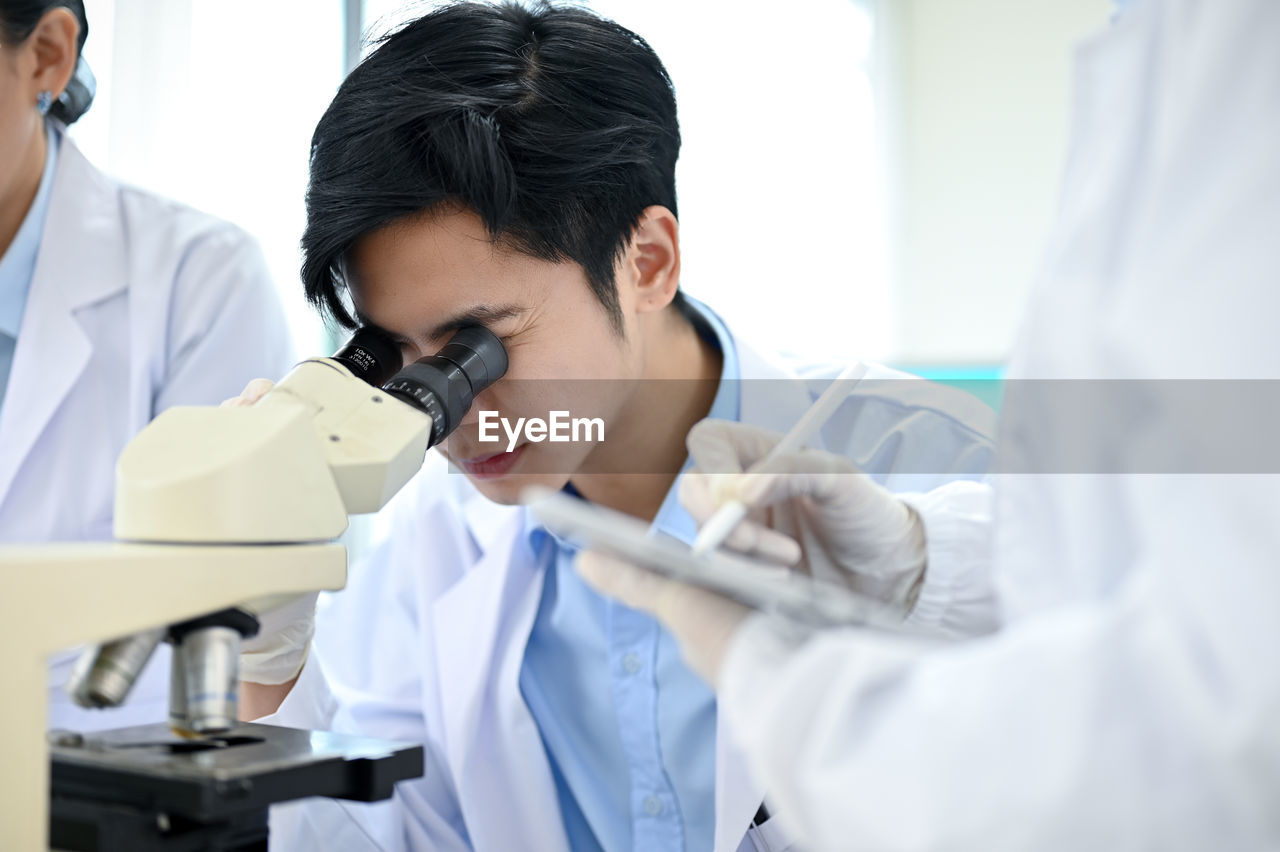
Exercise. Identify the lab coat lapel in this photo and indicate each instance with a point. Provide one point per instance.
(491, 741)
(772, 398)
(738, 795)
(81, 261)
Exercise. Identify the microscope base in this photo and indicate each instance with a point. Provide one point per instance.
(145, 789)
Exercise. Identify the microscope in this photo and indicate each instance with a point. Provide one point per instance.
(220, 514)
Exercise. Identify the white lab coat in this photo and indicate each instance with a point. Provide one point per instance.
(137, 304)
(1132, 701)
(426, 643)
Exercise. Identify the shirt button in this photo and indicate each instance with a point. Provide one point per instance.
(652, 805)
(631, 664)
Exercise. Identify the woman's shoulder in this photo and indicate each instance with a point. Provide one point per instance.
(147, 221)
(179, 224)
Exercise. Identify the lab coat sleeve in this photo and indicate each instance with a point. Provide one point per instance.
(420, 817)
(365, 677)
(226, 325)
(313, 824)
(931, 446)
(957, 598)
(416, 818)
(1135, 715)
(1151, 713)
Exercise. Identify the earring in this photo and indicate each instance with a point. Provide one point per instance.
(44, 101)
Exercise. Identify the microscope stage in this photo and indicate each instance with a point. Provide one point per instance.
(149, 772)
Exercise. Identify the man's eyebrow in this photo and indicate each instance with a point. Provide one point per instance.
(478, 315)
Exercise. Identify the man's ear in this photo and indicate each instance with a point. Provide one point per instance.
(652, 260)
(54, 46)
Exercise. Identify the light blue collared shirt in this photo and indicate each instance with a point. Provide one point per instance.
(629, 729)
(18, 266)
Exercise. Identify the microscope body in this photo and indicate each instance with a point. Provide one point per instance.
(218, 509)
(288, 470)
(220, 514)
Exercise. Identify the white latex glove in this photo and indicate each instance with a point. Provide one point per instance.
(286, 622)
(702, 622)
(811, 509)
(814, 510)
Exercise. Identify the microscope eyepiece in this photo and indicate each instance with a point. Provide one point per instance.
(370, 355)
(478, 353)
(444, 385)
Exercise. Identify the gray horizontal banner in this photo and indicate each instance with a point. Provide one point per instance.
(889, 428)
(1192, 426)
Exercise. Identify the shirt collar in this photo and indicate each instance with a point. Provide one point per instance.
(672, 518)
(18, 266)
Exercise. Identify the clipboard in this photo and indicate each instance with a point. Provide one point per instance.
(756, 584)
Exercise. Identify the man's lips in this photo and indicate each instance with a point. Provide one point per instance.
(493, 464)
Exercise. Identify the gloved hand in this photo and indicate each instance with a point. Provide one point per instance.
(811, 509)
(286, 622)
(701, 621)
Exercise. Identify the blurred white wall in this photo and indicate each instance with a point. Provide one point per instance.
(863, 178)
(212, 102)
(859, 178)
(781, 216)
(781, 213)
(975, 107)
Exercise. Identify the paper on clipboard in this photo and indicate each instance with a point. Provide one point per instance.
(761, 586)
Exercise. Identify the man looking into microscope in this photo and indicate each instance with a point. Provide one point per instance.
(515, 168)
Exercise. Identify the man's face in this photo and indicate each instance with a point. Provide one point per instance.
(424, 277)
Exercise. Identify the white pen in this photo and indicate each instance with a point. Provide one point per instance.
(728, 516)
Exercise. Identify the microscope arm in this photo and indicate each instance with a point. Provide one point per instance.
(60, 595)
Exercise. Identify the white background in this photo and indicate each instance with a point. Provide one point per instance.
(857, 179)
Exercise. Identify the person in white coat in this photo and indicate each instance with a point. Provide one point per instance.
(1131, 699)
(515, 167)
(115, 304)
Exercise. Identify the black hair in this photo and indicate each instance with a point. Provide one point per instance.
(554, 125)
(18, 20)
